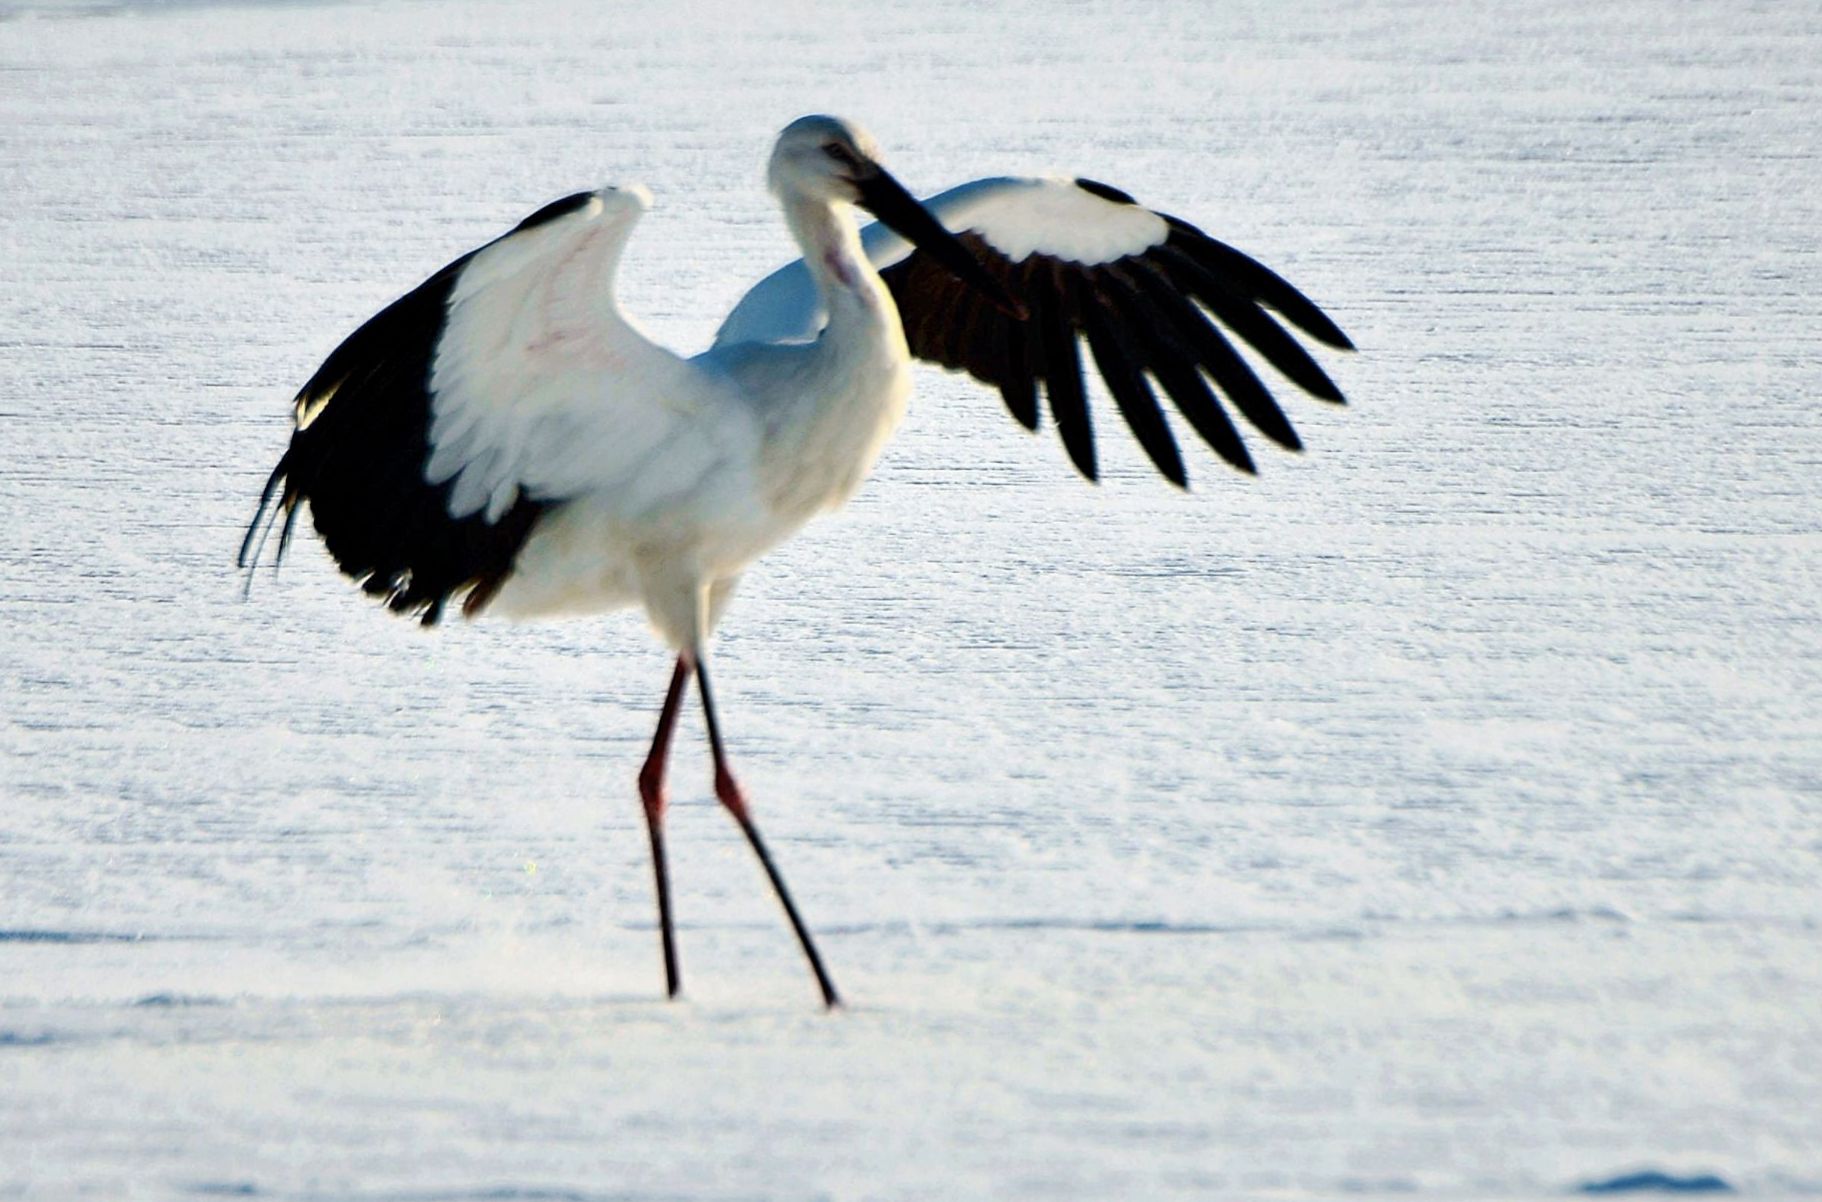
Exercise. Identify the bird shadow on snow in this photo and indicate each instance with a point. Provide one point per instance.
(54, 936)
(1111, 926)
(505, 1193)
(1654, 1181)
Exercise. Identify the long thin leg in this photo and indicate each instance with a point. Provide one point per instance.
(729, 791)
(651, 792)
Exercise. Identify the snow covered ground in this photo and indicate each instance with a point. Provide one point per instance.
(1438, 815)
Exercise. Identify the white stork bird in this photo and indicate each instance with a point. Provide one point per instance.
(504, 435)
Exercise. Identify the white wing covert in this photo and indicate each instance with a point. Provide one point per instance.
(431, 440)
(540, 385)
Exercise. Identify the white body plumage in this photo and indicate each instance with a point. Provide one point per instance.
(747, 442)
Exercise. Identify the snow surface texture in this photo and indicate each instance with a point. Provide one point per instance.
(1436, 815)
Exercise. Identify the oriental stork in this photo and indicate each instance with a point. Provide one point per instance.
(503, 436)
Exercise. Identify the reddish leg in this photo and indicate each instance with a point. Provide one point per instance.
(651, 792)
(729, 791)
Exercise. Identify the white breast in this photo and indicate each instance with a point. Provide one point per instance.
(820, 456)
(813, 418)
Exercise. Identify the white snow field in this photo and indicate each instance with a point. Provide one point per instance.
(1438, 815)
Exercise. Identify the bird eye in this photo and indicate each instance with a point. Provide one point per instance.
(839, 153)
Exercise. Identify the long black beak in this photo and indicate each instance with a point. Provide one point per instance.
(886, 199)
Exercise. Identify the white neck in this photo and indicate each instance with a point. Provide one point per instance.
(830, 240)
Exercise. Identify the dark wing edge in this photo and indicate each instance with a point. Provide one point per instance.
(358, 455)
(1152, 320)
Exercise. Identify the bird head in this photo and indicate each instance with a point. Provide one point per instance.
(824, 158)
(835, 161)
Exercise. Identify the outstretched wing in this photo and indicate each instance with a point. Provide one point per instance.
(430, 441)
(1150, 293)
